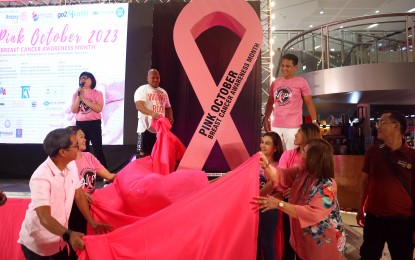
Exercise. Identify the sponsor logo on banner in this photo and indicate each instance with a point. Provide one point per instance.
(23, 16)
(25, 92)
(6, 133)
(35, 16)
(19, 133)
(119, 12)
(13, 17)
(72, 14)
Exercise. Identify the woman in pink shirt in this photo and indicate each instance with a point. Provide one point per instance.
(291, 158)
(88, 169)
(87, 104)
(317, 230)
(271, 147)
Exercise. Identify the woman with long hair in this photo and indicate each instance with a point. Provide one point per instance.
(271, 147)
(317, 230)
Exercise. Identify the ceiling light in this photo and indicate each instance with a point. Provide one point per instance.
(272, 4)
(377, 11)
(332, 49)
(372, 25)
(311, 26)
(341, 27)
(411, 11)
(321, 11)
(272, 16)
(318, 46)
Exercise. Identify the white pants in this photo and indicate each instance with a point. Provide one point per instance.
(287, 136)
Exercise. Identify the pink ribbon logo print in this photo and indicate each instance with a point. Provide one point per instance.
(217, 101)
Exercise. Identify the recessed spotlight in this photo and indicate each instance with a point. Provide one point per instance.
(377, 11)
(341, 27)
(311, 26)
(321, 11)
(372, 25)
(411, 10)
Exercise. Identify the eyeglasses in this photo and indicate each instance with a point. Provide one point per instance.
(382, 122)
(75, 146)
(84, 78)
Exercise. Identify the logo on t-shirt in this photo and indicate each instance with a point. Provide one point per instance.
(88, 180)
(283, 96)
(84, 108)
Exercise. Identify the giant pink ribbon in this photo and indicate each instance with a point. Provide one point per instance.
(217, 101)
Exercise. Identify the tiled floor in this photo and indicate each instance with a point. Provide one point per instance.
(16, 188)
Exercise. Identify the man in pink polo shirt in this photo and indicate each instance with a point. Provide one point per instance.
(285, 100)
(54, 186)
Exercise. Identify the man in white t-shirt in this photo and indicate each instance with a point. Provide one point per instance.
(151, 101)
(285, 100)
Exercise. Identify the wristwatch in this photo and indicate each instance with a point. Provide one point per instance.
(67, 235)
(281, 204)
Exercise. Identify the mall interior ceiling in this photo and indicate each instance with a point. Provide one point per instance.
(300, 15)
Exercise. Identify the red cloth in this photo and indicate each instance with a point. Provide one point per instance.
(11, 217)
(216, 221)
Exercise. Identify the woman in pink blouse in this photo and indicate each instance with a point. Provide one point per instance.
(269, 243)
(291, 158)
(317, 230)
(88, 169)
(87, 104)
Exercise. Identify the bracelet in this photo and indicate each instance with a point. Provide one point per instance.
(266, 166)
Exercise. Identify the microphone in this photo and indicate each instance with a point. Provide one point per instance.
(81, 85)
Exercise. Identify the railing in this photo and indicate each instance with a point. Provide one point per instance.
(379, 38)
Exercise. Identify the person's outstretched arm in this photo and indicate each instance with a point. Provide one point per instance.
(364, 184)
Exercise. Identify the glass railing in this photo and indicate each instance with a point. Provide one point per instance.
(380, 38)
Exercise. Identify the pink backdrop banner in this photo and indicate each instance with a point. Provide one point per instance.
(217, 101)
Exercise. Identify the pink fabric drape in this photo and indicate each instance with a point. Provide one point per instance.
(11, 218)
(176, 216)
(168, 149)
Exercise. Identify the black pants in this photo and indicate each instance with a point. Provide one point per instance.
(266, 234)
(288, 253)
(93, 133)
(397, 232)
(145, 142)
(30, 255)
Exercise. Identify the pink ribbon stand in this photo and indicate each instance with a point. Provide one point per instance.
(217, 101)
